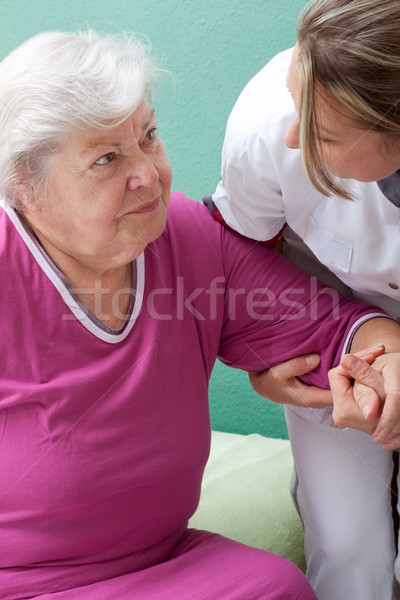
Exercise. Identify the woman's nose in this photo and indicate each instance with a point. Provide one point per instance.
(142, 172)
(292, 136)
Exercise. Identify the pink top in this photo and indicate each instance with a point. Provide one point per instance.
(104, 435)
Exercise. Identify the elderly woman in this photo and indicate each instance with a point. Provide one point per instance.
(113, 317)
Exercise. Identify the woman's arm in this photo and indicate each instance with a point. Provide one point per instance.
(281, 383)
(364, 398)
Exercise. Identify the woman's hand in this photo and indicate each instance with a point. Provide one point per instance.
(281, 384)
(358, 394)
(372, 404)
(387, 431)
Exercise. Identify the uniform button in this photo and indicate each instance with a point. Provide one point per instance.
(394, 286)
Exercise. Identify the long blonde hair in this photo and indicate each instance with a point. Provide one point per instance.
(352, 49)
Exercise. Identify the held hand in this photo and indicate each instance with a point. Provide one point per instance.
(281, 384)
(374, 409)
(358, 391)
(387, 431)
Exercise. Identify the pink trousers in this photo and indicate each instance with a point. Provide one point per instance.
(203, 566)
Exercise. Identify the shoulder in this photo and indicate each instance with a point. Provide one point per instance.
(192, 234)
(183, 212)
(254, 136)
(271, 78)
(190, 225)
(186, 211)
(265, 101)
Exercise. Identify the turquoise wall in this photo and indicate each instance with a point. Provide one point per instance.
(212, 48)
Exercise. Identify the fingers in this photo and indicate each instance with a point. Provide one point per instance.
(388, 428)
(280, 383)
(346, 411)
(369, 354)
(376, 392)
(369, 389)
(304, 364)
(296, 366)
(390, 443)
(367, 400)
(282, 375)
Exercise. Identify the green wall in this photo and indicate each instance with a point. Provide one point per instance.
(212, 48)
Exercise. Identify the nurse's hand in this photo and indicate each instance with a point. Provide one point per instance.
(373, 407)
(358, 394)
(281, 384)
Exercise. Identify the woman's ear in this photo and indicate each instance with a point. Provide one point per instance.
(22, 194)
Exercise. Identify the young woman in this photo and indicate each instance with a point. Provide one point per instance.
(312, 149)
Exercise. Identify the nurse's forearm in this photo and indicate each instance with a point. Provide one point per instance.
(375, 332)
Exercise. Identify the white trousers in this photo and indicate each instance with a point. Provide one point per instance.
(342, 490)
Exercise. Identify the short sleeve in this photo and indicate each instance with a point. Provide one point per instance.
(275, 312)
(249, 196)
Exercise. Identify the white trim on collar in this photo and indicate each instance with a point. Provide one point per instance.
(102, 332)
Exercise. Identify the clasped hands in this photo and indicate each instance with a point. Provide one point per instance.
(365, 391)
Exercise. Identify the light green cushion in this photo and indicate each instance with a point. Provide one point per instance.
(245, 494)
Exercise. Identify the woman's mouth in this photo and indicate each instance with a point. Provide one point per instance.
(145, 208)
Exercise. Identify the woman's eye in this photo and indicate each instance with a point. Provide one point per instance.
(150, 135)
(105, 159)
(327, 141)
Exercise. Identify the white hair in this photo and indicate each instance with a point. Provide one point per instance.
(57, 83)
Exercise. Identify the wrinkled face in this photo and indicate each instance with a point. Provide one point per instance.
(346, 150)
(108, 192)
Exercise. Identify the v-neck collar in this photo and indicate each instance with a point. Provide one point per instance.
(72, 301)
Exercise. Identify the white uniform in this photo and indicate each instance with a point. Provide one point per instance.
(343, 478)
